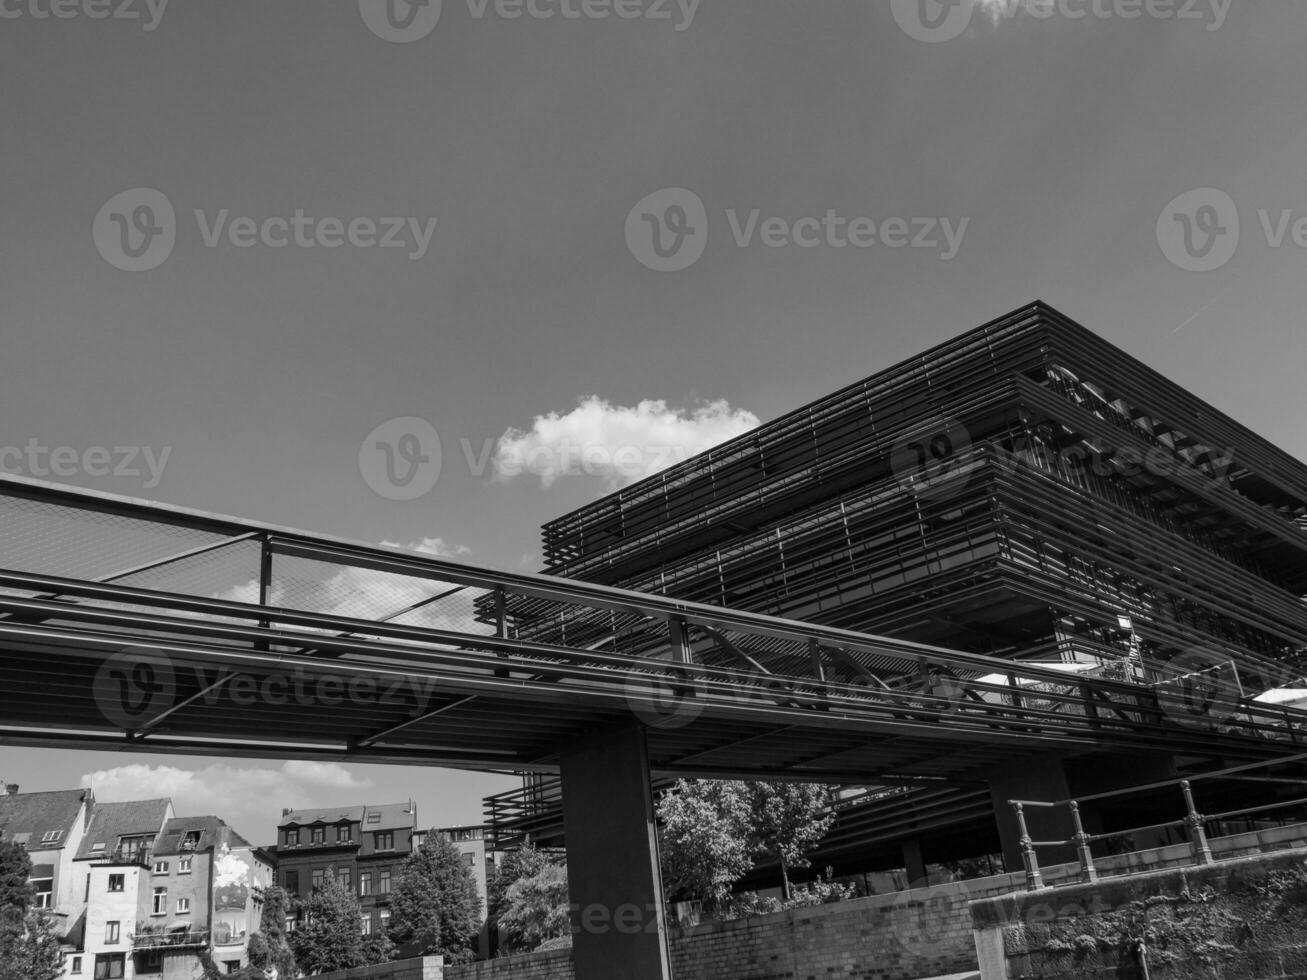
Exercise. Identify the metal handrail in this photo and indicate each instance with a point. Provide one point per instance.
(1194, 821)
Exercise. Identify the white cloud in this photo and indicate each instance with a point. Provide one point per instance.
(616, 443)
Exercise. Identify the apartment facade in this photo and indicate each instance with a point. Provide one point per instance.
(360, 846)
(50, 825)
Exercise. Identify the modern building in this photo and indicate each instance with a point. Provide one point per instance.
(1027, 491)
(359, 846)
(50, 826)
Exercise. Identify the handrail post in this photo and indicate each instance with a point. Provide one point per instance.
(1088, 873)
(1034, 880)
(1194, 821)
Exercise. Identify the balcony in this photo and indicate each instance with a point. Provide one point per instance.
(138, 856)
(149, 937)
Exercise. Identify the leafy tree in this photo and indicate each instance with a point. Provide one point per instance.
(434, 904)
(269, 948)
(513, 866)
(29, 948)
(378, 949)
(536, 910)
(706, 834)
(789, 819)
(330, 933)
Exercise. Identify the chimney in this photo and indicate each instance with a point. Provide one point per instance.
(11, 789)
(287, 811)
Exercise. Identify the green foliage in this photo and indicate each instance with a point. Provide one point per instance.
(514, 866)
(713, 833)
(434, 904)
(269, 947)
(378, 949)
(29, 948)
(789, 819)
(329, 936)
(536, 910)
(706, 830)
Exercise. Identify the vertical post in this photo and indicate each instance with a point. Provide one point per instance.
(680, 639)
(1194, 821)
(1087, 870)
(618, 923)
(1034, 880)
(501, 613)
(265, 582)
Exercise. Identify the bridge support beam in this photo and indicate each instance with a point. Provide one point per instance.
(618, 926)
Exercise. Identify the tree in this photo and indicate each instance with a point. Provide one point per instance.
(536, 909)
(706, 840)
(788, 820)
(434, 904)
(269, 948)
(29, 948)
(513, 866)
(330, 933)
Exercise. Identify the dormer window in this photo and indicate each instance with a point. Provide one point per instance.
(191, 841)
(292, 838)
(51, 836)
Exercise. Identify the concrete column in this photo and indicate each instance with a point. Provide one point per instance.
(914, 862)
(1042, 779)
(612, 859)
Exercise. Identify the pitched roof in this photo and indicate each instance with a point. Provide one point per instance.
(385, 816)
(213, 832)
(41, 814)
(109, 821)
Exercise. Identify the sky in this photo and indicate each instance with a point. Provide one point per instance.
(443, 272)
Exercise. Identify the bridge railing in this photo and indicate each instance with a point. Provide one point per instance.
(1194, 822)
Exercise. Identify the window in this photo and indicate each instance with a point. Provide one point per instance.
(161, 867)
(471, 860)
(97, 847)
(292, 882)
(291, 923)
(111, 934)
(191, 841)
(232, 965)
(374, 818)
(318, 878)
(383, 882)
(43, 887)
(148, 961)
(184, 866)
(76, 966)
(385, 840)
(109, 966)
(346, 877)
(116, 883)
(183, 906)
(344, 834)
(367, 925)
(160, 906)
(292, 838)
(318, 835)
(51, 836)
(365, 882)
(385, 920)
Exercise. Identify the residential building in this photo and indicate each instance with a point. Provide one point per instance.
(360, 846)
(50, 826)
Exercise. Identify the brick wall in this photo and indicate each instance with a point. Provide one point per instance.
(421, 968)
(1242, 919)
(553, 965)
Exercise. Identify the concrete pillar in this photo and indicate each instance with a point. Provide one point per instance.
(612, 859)
(914, 862)
(1042, 779)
